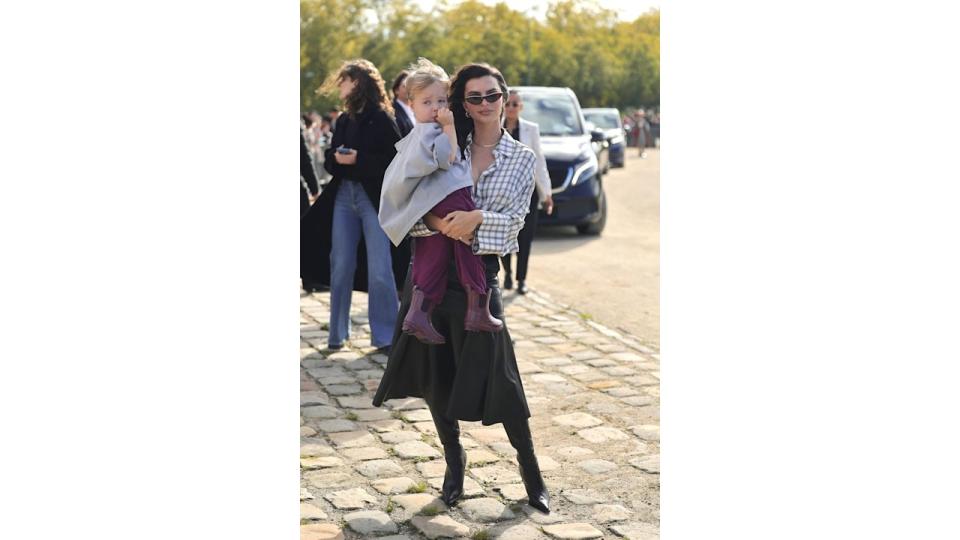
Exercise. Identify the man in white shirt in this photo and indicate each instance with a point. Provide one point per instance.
(401, 110)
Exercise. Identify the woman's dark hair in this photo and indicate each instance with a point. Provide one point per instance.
(369, 91)
(307, 119)
(458, 89)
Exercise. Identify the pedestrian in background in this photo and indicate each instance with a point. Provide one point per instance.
(527, 133)
(628, 130)
(401, 107)
(655, 130)
(346, 211)
(641, 129)
(474, 375)
(313, 136)
(308, 180)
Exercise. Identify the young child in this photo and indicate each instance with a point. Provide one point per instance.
(427, 176)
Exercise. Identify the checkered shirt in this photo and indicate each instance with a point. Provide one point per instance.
(503, 195)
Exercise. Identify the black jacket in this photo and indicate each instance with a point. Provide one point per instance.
(308, 176)
(373, 135)
(403, 121)
(306, 168)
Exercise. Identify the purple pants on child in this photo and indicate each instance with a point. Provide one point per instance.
(432, 254)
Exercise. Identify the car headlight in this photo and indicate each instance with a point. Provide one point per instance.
(584, 170)
(616, 140)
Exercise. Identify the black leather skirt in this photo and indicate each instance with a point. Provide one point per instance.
(473, 376)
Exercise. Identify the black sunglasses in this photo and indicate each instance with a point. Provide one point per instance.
(476, 100)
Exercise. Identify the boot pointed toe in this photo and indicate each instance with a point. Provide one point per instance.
(541, 502)
(451, 499)
(452, 489)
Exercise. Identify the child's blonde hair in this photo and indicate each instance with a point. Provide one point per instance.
(424, 73)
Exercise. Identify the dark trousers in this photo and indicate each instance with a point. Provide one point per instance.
(432, 254)
(525, 239)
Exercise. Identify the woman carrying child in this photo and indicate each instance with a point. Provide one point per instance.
(471, 375)
(428, 176)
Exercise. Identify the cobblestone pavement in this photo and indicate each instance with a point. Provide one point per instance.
(376, 472)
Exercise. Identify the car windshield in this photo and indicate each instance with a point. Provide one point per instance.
(556, 114)
(602, 120)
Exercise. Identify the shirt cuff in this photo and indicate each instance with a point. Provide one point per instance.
(492, 235)
(420, 229)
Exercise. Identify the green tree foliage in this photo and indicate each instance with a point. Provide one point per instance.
(607, 62)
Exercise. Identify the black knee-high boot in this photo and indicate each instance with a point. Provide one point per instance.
(455, 456)
(518, 431)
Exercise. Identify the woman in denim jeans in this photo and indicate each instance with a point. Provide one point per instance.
(361, 149)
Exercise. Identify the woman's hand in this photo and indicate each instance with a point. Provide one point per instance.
(459, 224)
(346, 159)
(435, 223)
(548, 204)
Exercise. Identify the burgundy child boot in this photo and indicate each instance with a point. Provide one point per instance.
(478, 317)
(417, 321)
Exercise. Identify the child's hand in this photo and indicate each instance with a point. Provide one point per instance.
(444, 117)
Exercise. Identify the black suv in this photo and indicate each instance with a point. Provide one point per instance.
(608, 121)
(571, 158)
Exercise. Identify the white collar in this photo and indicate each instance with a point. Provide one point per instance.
(406, 108)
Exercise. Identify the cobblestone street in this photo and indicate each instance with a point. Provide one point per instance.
(376, 472)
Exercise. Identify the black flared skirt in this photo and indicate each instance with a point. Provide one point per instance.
(473, 376)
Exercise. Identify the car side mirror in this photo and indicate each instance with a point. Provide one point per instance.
(596, 136)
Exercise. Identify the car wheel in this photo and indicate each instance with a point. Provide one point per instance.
(594, 229)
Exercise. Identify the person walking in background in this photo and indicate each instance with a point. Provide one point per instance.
(312, 131)
(316, 127)
(427, 176)
(527, 133)
(628, 129)
(655, 130)
(324, 135)
(308, 180)
(346, 211)
(401, 107)
(642, 130)
(474, 375)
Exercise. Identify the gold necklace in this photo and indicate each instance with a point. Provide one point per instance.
(488, 146)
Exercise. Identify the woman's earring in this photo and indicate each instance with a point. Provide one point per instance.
(467, 113)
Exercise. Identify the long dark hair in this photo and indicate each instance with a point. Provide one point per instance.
(369, 92)
(458, 90)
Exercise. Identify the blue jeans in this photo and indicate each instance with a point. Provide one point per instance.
(353, 215)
